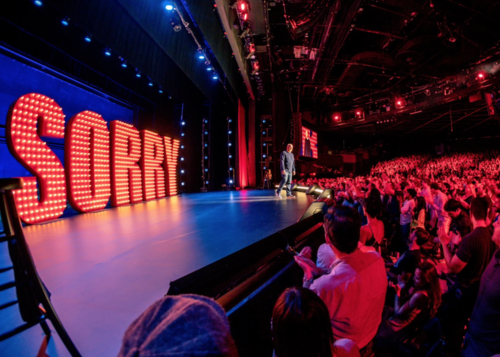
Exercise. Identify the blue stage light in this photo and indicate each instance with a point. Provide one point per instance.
(206, 182)
(264, 155)
(209, 68)
(38, 2)
(88, 38)
(201, 57)
(230, 181)
(229, 144)
(263, 133)
(183, 123)
(182, 146)
(169, 7)
(263, 121)
(182, 171)
(107, 52)
(230, 156)
(182, 134)
(230, 120)
(160, 91)
(150, 84)
(206, 132)
(124, 64)
(206, 170)
(264, 144)
(206, 145)
(206, 121)
(230, 169)
(215, 77)
(265, 168)
(206, 157)
(229, 132)
(138, 74)
(182, 183)
(182, 159)
(65, 21)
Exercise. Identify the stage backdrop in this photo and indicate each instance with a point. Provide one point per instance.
(18, 79)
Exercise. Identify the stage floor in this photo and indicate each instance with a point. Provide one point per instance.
(105, 268)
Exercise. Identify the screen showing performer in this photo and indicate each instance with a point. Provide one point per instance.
(309, 146)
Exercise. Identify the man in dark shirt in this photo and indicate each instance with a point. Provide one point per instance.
(483, 335)
(469, 262)
(287, 167)
(460, 224)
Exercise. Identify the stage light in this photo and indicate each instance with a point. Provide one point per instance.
(399, 103)
(265, 168)
(263, 121)
(124, 64)
(182, 171)
(264, 155)
(206, 170)
(138, 74)
(230, 156)
(201, 55)
(209, 68)
(229, 132)
(169, 7)
(182, 146)
(264, 144)
(182, 159)
(229, 144)
(245, 17)
(206, 157)
(65, 21)
(481, 76)
(243, 6)
(107, 52)
(206, 145)
(206, 132)
(38, 2)
(183, 123)
(88, 38)
(182, 134)
(182, 183)
(150, 84)
(215, 77)
(160, 91)
(230, 181)
(230, 169)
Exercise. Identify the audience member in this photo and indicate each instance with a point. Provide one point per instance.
(183, 326)
(354, 289)
(372, 233)
(301, 327)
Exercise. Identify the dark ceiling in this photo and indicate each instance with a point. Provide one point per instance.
(340, 55)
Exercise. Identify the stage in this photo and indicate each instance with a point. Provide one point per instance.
(105, 268)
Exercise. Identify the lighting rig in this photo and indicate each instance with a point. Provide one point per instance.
(243, 13)
(266, 144)
(230, 154)
(205, 154)
(182, 141)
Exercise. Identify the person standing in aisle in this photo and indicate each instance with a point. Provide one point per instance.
(287, 167)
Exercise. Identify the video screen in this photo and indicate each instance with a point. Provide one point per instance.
(309, 147)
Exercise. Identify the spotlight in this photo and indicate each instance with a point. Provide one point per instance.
(182, 146)
(107, 52)
(229, 144)
(183, 123)
(243, 6)
(481, 76)
(230, 156)
(264, 144)
(38, 2)
(206, 132)
(182, 134)
(206, 157)
(138, 74)
(206, 145)
(182, 171)
(182, 159)
(230, 169)
(169, 7)
(399, 103)
(124, 64)
(230, 181)
(209, 68)
(182, 183)
(206, 182)
(65, 21)
(229, 132)
(88, 38)
(160, 91)
(264, 155)
(150, 84)
(201, 55)
(215, 78)
(245, 17)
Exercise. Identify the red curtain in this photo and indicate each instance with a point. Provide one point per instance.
(242, 147)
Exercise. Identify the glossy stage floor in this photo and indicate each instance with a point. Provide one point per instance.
(105, 268)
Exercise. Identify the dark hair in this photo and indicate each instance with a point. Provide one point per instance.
(435, 186)
(422, 236)
(342, 225)
(452, 205)
(479, 208)
(373, 206)
(430, 278)
(412, 192)
(301, 325)
(375, 193)
(421, 205)
(403, 185)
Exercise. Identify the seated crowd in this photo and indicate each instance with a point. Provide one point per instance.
(410, 261)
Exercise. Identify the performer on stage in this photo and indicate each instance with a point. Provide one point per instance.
(287, 165)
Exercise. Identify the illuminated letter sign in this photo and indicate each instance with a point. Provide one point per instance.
(171, 155)
(153, 175)
(142, 164)
(48, 201)
(126, 180)
(86, 156)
